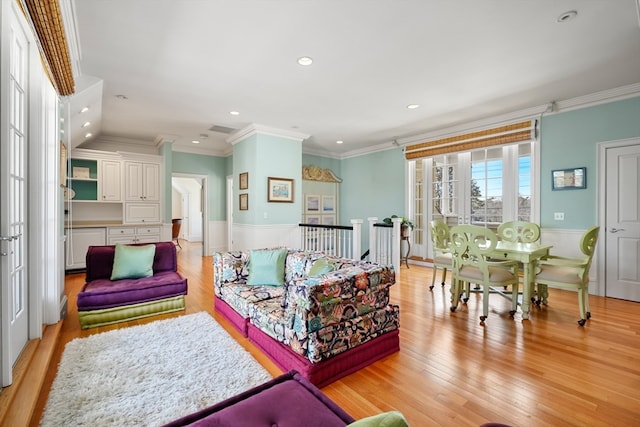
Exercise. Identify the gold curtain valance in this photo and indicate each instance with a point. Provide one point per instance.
(515, 132)
(45, 18)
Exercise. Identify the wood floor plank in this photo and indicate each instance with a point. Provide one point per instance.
(546, 371)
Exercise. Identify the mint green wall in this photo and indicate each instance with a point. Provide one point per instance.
(264, 156)
(373, 185)
(570, 140)
(216, 170)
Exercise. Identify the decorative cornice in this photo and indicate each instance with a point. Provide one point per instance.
(254, 129)
(316, 173)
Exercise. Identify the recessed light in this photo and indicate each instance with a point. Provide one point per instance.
(88, 135)
(84, 110)
(339, 142)
(85, 124)
(305, 60)
(195, 141)
(413, 106)
(567, 16)
(234, 113)
(122, 97)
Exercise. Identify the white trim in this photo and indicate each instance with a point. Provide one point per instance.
(601, 216)
(254, 129)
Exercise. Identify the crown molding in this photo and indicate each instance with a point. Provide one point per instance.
(254, 129)
(202, 151)
(602, 97)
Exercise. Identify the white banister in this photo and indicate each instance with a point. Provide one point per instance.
(356, 246)
(373, 241)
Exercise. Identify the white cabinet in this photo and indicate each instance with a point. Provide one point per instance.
(78, 241)
(110, 180)
(129, 235)
(135, 213)
(142, 181)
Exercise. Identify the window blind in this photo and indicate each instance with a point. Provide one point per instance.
(44, 16)
(515, 132)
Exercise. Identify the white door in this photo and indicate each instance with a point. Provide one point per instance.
(622, 234)
(13, 173)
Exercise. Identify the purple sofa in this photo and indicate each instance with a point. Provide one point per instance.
(266, 405)
(102, 301)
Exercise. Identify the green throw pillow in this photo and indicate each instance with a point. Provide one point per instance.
(133, 262)
(266, 267)
(386, 419)
(321, 266)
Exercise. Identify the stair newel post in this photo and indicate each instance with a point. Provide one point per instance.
(395, 243)
(373, 243)
(356, 246)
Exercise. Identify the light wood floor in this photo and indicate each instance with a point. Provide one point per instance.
(451, 371)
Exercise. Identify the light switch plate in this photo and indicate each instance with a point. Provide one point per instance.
(558, 216)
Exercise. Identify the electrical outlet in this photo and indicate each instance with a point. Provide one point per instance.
(558, 216)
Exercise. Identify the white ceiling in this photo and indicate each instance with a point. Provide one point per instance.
(185, 64)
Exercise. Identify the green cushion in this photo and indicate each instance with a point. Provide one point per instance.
(133, 262)
(321, 266)
(386, 419)
(266, 267)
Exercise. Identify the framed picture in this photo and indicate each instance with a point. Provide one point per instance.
(569, 179)
(313, 219)
(312, 203)
(280, 190)
(244, 202)
(244, 181)
(328, 204)
(80, 172)
(329, 219)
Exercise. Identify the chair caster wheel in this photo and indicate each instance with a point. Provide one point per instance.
(483, 318)
(533, 300)
(464, 300)
(512, 313)
(588, 315)
(443, 284)
(581, 322)
(453, 309)
(538, 302)
(431, 287)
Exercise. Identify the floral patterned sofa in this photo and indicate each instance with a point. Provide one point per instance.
(326, 326)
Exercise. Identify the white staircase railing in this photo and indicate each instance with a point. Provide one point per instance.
(336, 240)
(384, 242)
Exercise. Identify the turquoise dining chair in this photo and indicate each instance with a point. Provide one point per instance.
(471, 247)
(570, 273)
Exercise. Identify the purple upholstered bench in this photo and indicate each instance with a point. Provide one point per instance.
(289, 400)
(103, 301)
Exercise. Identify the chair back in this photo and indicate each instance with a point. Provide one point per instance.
(588, 248)
(439, 236)
(471, 245)
(519, 231)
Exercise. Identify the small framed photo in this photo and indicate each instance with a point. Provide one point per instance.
(244, 202)
(80, 172)
(244, 181)
(313, 219)
(328, 204)
(312, 203)
(329, 219)
(280, 190)
(569, 179)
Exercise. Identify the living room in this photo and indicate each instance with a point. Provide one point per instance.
(570, 134)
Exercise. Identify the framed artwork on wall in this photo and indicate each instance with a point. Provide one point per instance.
(569, 179)
(328, 204)
(312, 203)
(280, 190)
(244, 181)
(244, 202)
(329, 219)
(313, 219)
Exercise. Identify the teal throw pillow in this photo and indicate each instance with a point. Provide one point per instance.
(321, 266)
(386, 419)
(133, 262)
(266, 267)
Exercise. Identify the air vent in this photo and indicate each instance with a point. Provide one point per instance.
(221, 129)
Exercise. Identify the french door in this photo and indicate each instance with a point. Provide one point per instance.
(483, 187)
(13, 173)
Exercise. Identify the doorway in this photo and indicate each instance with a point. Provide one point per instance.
(189, 203)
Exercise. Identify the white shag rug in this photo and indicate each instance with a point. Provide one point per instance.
(149, 375)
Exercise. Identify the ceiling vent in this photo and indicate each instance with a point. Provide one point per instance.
(222, 129)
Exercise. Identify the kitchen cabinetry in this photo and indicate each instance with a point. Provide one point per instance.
(150, 234)
(142, 181)
(111, 180)
(78, 241)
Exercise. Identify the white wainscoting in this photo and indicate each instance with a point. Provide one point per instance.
(567, 243)
(248, 236)
(217, 237)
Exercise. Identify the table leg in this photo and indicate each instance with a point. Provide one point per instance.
(527, 287)
(406, 257)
